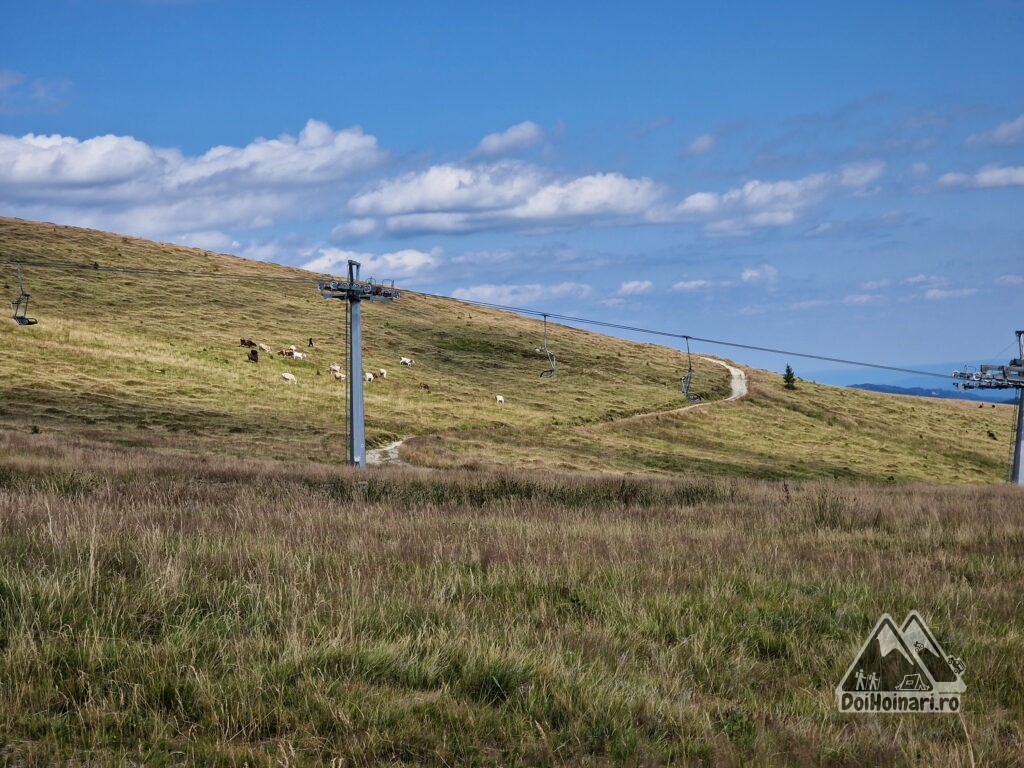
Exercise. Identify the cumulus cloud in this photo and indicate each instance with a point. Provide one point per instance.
(120, 182)
(522, 294)
(701, 144)
(989, 176)
(635, 287)
(1010, 132)
(521, 136)
(757, 203)
(505, 194)
(1010, 280)
(397, 265)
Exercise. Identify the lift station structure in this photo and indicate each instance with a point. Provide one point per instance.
(1003, 377)
(355, 292)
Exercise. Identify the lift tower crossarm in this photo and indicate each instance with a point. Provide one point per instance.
(355, 292)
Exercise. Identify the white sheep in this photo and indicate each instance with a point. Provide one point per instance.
(383, 373)
(499, 399)
(406, 361)
(368, 376)
(339, 376)
(289, 377)
(335, 368)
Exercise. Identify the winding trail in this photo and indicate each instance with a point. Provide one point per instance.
(387, 455)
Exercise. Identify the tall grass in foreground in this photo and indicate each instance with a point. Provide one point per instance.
(162, 610)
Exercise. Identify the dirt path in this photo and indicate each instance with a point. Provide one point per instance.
(738, 385)
(387, 455)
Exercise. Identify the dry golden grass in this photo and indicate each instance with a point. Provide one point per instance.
(136, 360)
(159, 609)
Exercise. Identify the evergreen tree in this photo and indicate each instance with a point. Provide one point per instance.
(789, 378)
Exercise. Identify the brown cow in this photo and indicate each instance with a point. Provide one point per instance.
(254, 356)
(246, 343)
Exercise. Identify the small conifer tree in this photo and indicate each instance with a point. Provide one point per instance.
(789, 378)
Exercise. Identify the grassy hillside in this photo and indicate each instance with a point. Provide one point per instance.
(142, 360)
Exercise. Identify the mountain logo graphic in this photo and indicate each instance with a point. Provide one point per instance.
(901, 669)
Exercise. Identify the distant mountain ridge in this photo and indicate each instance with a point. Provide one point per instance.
(996, 396)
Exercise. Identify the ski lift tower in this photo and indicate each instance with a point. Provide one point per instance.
(1003, 377)
(355, 292)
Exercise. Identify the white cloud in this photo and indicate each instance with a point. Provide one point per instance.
(939, 293)
(989, 176)
(874, 285)
(692, 285)
(398, 265)
(762, 274)
(919, 169)
(1010, 280)
(701, 144)
(857, 175)
(1010, 132)
(122, 183)
(809, 304)
(522, 294)
(859, 299)
(210, 240)
(518, 137)
(757, 203)
(635, 287)
(503, 194)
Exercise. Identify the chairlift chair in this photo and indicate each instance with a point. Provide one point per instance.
(687, 379)
(552, 370)
(20, 304)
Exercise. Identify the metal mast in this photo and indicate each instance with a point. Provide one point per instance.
(355, 292)
(1003, 377)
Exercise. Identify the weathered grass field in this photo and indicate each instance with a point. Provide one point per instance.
(161, 610)
(130, 359)
(187, 577)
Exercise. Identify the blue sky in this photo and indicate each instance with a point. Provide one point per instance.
(844, 179)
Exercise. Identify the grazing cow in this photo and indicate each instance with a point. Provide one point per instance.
(339, 376)
(499, 399)
(383, 373)
(265, 348)
(368, 376)
(246, 343)
(425, 387)
(254, 356)
(335, 368)
(289, 377)
(406, 361)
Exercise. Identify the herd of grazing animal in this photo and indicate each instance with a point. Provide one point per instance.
(253, 356)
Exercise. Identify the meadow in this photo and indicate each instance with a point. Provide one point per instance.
(153, 361)
(172, 609)
(586, 576)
